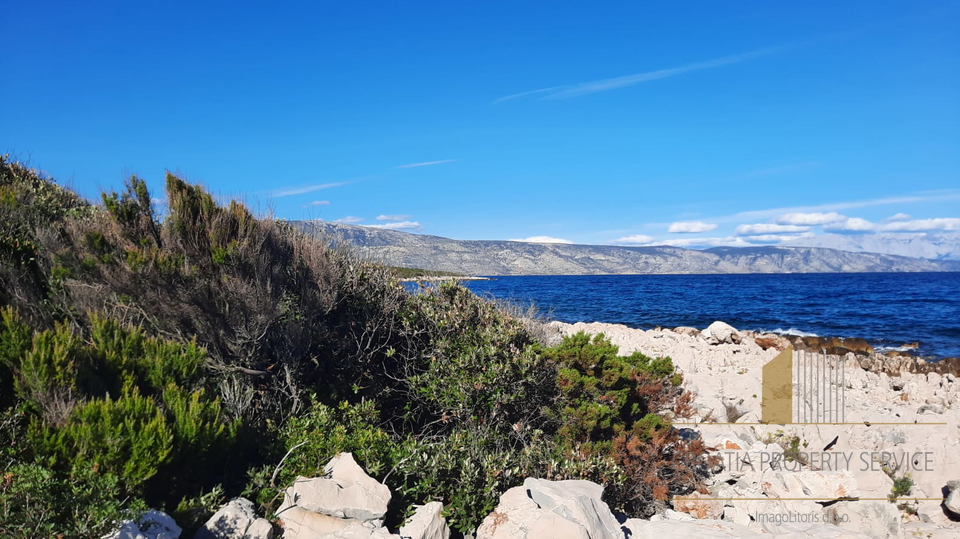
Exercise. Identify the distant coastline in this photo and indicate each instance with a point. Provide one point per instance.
(442, 278)
(510, 258)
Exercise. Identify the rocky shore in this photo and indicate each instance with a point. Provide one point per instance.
(890, 470)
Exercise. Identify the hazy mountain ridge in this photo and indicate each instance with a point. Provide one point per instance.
(932, 246)
(498, 257)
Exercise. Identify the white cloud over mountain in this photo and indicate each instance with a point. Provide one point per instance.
(852, 224)
(349, 220)
(939, 246)
(690, 227)
(809, 219)
(899, 234)
(636, 239)
(542, 239)
(946, 224)
(402, 225)
(768, 228)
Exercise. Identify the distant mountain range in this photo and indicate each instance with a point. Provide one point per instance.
(497, 257)
(932, 246)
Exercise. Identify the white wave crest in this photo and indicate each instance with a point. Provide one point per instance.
(792, 332)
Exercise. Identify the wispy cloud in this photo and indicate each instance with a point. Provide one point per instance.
(690, 227)
(615, 83)
(349, 220)
(729, 241)
(776, 238)
(636, 239)
(318, 203)
(938, 196)
(809, 219)
(768, 228)
(531, 92)
(940, 223)
(427, 163)
(392, 217)
(851, 224)
(542, 239)
(291, 191)
(402, 225)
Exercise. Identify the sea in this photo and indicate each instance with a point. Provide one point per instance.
(889, 310)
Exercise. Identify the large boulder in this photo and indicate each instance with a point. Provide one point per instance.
(346, 504)
(772, 340)
(953, 497)
(721, 333)
(427, 522)
(556, 509)
(150, 525)
(236, 520)
(347, 492)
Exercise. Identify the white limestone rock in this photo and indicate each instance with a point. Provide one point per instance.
(150, 525)
(348, 492)
(880, 520)
(427, 522)
(953, 498)
(236, 520)
(721, 333)
(556, 509)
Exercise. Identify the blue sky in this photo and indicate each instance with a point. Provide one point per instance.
(693, 123)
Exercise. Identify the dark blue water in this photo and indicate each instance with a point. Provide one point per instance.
(886, 309)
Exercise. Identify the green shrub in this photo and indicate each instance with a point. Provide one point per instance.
(124, 404)
(37, 500)
(618, 408)
(605, 395)
(128, 437)
(15, 337)
(325, 431)
(468, 470)
(46, 374)
(902, 486)
(477, 366)
(153, 363)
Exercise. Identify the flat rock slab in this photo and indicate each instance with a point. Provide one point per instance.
(348, 492)
(554, 509)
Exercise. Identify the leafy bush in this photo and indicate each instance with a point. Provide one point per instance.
(478, 366)
(124, 405)
(128, 437)
(37, 500)
(605, 395)
(323, 431)
(618, 407)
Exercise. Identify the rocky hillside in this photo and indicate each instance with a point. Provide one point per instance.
(517, 258)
